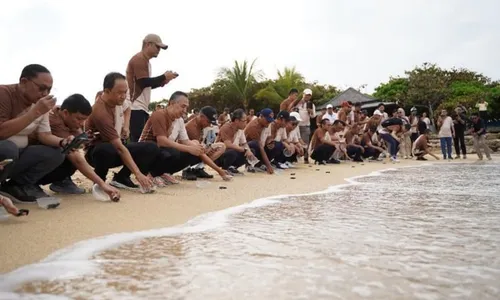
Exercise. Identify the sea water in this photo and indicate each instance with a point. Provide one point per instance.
(428, 232)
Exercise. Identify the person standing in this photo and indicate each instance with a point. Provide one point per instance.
(478, 137)
(446, 133)
(288, 103)
(141, 83)
(307, 110)
(483, 110)
(459, 138)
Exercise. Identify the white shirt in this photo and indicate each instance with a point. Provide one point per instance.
(119, 118)
(427, 122)
(304, 114)
(239, 138)
(331, 117)
(294, 135)
(142, 102)
(178, 132)
(482, 106)
(281, 135)
(445, 130)
(40, 124)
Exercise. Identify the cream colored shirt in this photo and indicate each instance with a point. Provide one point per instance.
(142, 102)
(40, 124)
(178, 132)
(294, 135)
(239, 138)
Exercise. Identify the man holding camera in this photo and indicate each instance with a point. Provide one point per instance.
(141, 83)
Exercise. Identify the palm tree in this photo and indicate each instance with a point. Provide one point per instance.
(278, 89)
(242, 77)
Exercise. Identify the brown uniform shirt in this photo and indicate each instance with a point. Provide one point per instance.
(317, 138)
(158, 124)
(137, 68)
(253, 130)
(285, 104)
(102, 120)
(194, 130)
(58, 127)
(226, 133)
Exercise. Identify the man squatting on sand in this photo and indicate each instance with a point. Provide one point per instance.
(33, 133)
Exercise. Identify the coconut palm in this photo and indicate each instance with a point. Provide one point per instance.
(241, 76)
(278, 89)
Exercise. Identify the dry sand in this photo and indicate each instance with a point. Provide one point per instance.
(30, 239)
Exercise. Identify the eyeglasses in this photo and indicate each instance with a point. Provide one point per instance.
(42, 87)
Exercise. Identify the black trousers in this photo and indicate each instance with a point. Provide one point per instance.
(371, 152)
(323, 152)
(138, 119)
(65, 170)
(171, 160)
(459, 142)
(232, 158)
(104, 157)
(354, 152)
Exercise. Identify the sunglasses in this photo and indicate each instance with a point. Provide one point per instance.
(42, 87)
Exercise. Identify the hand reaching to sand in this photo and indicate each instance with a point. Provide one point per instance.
(11, 208)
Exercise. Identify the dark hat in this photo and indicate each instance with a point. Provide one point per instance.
(268, 114)
(283, 115)
(210, 113)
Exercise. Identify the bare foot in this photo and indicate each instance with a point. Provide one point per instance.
(11, 208)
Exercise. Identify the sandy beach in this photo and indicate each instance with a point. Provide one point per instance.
(28, 240)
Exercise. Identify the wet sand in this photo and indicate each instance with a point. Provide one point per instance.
(30, 239)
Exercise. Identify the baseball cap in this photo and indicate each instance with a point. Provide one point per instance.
(377, 113)
(283, 115)
(268, 114)
(329, 106)
(296, 115)
(345, 104)
(307, 92)
(154, 38)
(210, 113)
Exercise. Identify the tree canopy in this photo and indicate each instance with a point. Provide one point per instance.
(244, 86)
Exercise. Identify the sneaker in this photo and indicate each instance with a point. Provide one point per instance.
(66, 186)
(250, 169)
(394, 159)
(333, 161)
(289, 164)
(169, 179)
(282, 166)
(123, 183)
(188, 174)
(233, 171)
(201, 173)
(18, 194)
(457, 157)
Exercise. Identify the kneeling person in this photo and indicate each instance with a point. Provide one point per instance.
(166, 128)
(68, 121)
(195, 129)
(322, 145)
(421, 146)
(107, 150)
(232, 135)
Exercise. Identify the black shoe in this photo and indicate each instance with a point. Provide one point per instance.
(333, 161)
(233, 171)
(421, 158)
(188, 174)
(318, 162)
(18, 192)
(358, 160)
(201, 173)
(123, 183)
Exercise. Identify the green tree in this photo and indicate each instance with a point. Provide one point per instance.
(395, 90)
(277, 90)
(152, 104)
(241, 77)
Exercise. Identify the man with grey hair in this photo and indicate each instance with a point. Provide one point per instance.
(306, 110)
(141, 83)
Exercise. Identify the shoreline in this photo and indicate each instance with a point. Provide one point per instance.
(81, 218)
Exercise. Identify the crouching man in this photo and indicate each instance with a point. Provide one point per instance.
(195, 129)
(68, 121)
(107, 150)
(24, 111)
(322, 145)
(232, 135)
(256, 133)
(421, 146)
(166, 129)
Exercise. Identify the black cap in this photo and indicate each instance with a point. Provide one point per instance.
(210, 113)
(283, 115)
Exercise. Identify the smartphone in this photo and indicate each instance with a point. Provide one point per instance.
(75, 143)
(5, 162)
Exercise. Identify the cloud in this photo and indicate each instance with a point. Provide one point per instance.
(344, 43)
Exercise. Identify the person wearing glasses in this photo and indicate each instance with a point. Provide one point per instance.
(24, 111)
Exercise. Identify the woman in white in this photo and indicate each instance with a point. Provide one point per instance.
(446, 133)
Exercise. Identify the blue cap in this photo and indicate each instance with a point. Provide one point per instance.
(268, 114)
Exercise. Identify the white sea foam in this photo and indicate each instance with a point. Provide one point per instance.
(75, 261)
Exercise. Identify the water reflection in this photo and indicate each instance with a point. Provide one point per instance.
(423, 233)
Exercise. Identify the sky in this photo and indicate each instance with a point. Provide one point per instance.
(337, 42)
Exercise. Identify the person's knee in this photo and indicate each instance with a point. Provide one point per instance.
(150, 149)
(51, 156)
(8, 150)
